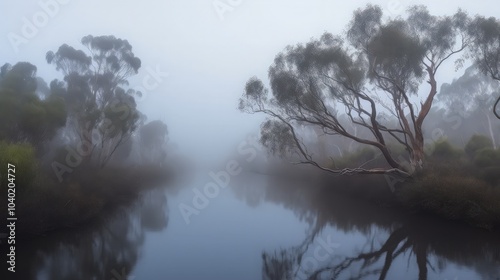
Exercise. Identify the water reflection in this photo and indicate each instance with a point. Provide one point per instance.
(392, 245)
(107, 249)
(271, 228)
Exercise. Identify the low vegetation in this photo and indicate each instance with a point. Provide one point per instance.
(457, 184)
(455, 197)
(43, 204)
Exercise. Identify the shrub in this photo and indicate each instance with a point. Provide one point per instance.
(487, 157)
(444, 150)
(454, 197)
(397, 150)
(476, 143)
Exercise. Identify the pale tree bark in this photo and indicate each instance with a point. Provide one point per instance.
(490, 130)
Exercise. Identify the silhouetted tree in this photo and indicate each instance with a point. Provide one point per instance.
(470, 93)
(486, 49)
(153, 137)
(94, 90)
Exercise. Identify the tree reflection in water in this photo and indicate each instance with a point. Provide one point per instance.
(107, 249)
(422, 244)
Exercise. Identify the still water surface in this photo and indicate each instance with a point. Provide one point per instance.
(262, 227)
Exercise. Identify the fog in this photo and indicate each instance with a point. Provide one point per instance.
(237, 139)
(209, 54)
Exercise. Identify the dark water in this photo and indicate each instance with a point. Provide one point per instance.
(261, 228)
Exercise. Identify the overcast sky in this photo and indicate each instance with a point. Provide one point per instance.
(209, 54)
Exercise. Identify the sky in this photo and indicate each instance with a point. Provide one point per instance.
(209, 48)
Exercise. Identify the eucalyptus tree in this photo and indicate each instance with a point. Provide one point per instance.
(470, 93)
(377, 68)
(153, 137)
(95, 91)
(486, 49)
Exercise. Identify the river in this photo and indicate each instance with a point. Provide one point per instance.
(260, 227)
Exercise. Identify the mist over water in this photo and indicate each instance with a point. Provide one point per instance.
(203, 140)
(271, 223)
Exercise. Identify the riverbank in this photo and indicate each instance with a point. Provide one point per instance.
(47, 205)
(454, 196)
(457, 183)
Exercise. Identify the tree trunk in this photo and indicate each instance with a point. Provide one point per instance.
(417, 161)
(417, 155)
(490, 128)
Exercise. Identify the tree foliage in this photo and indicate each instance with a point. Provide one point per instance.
(26, 117)
(374, 70)
(95, 91)
(476, 143)
(486, 49)
(470, 94)
(471, 91)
